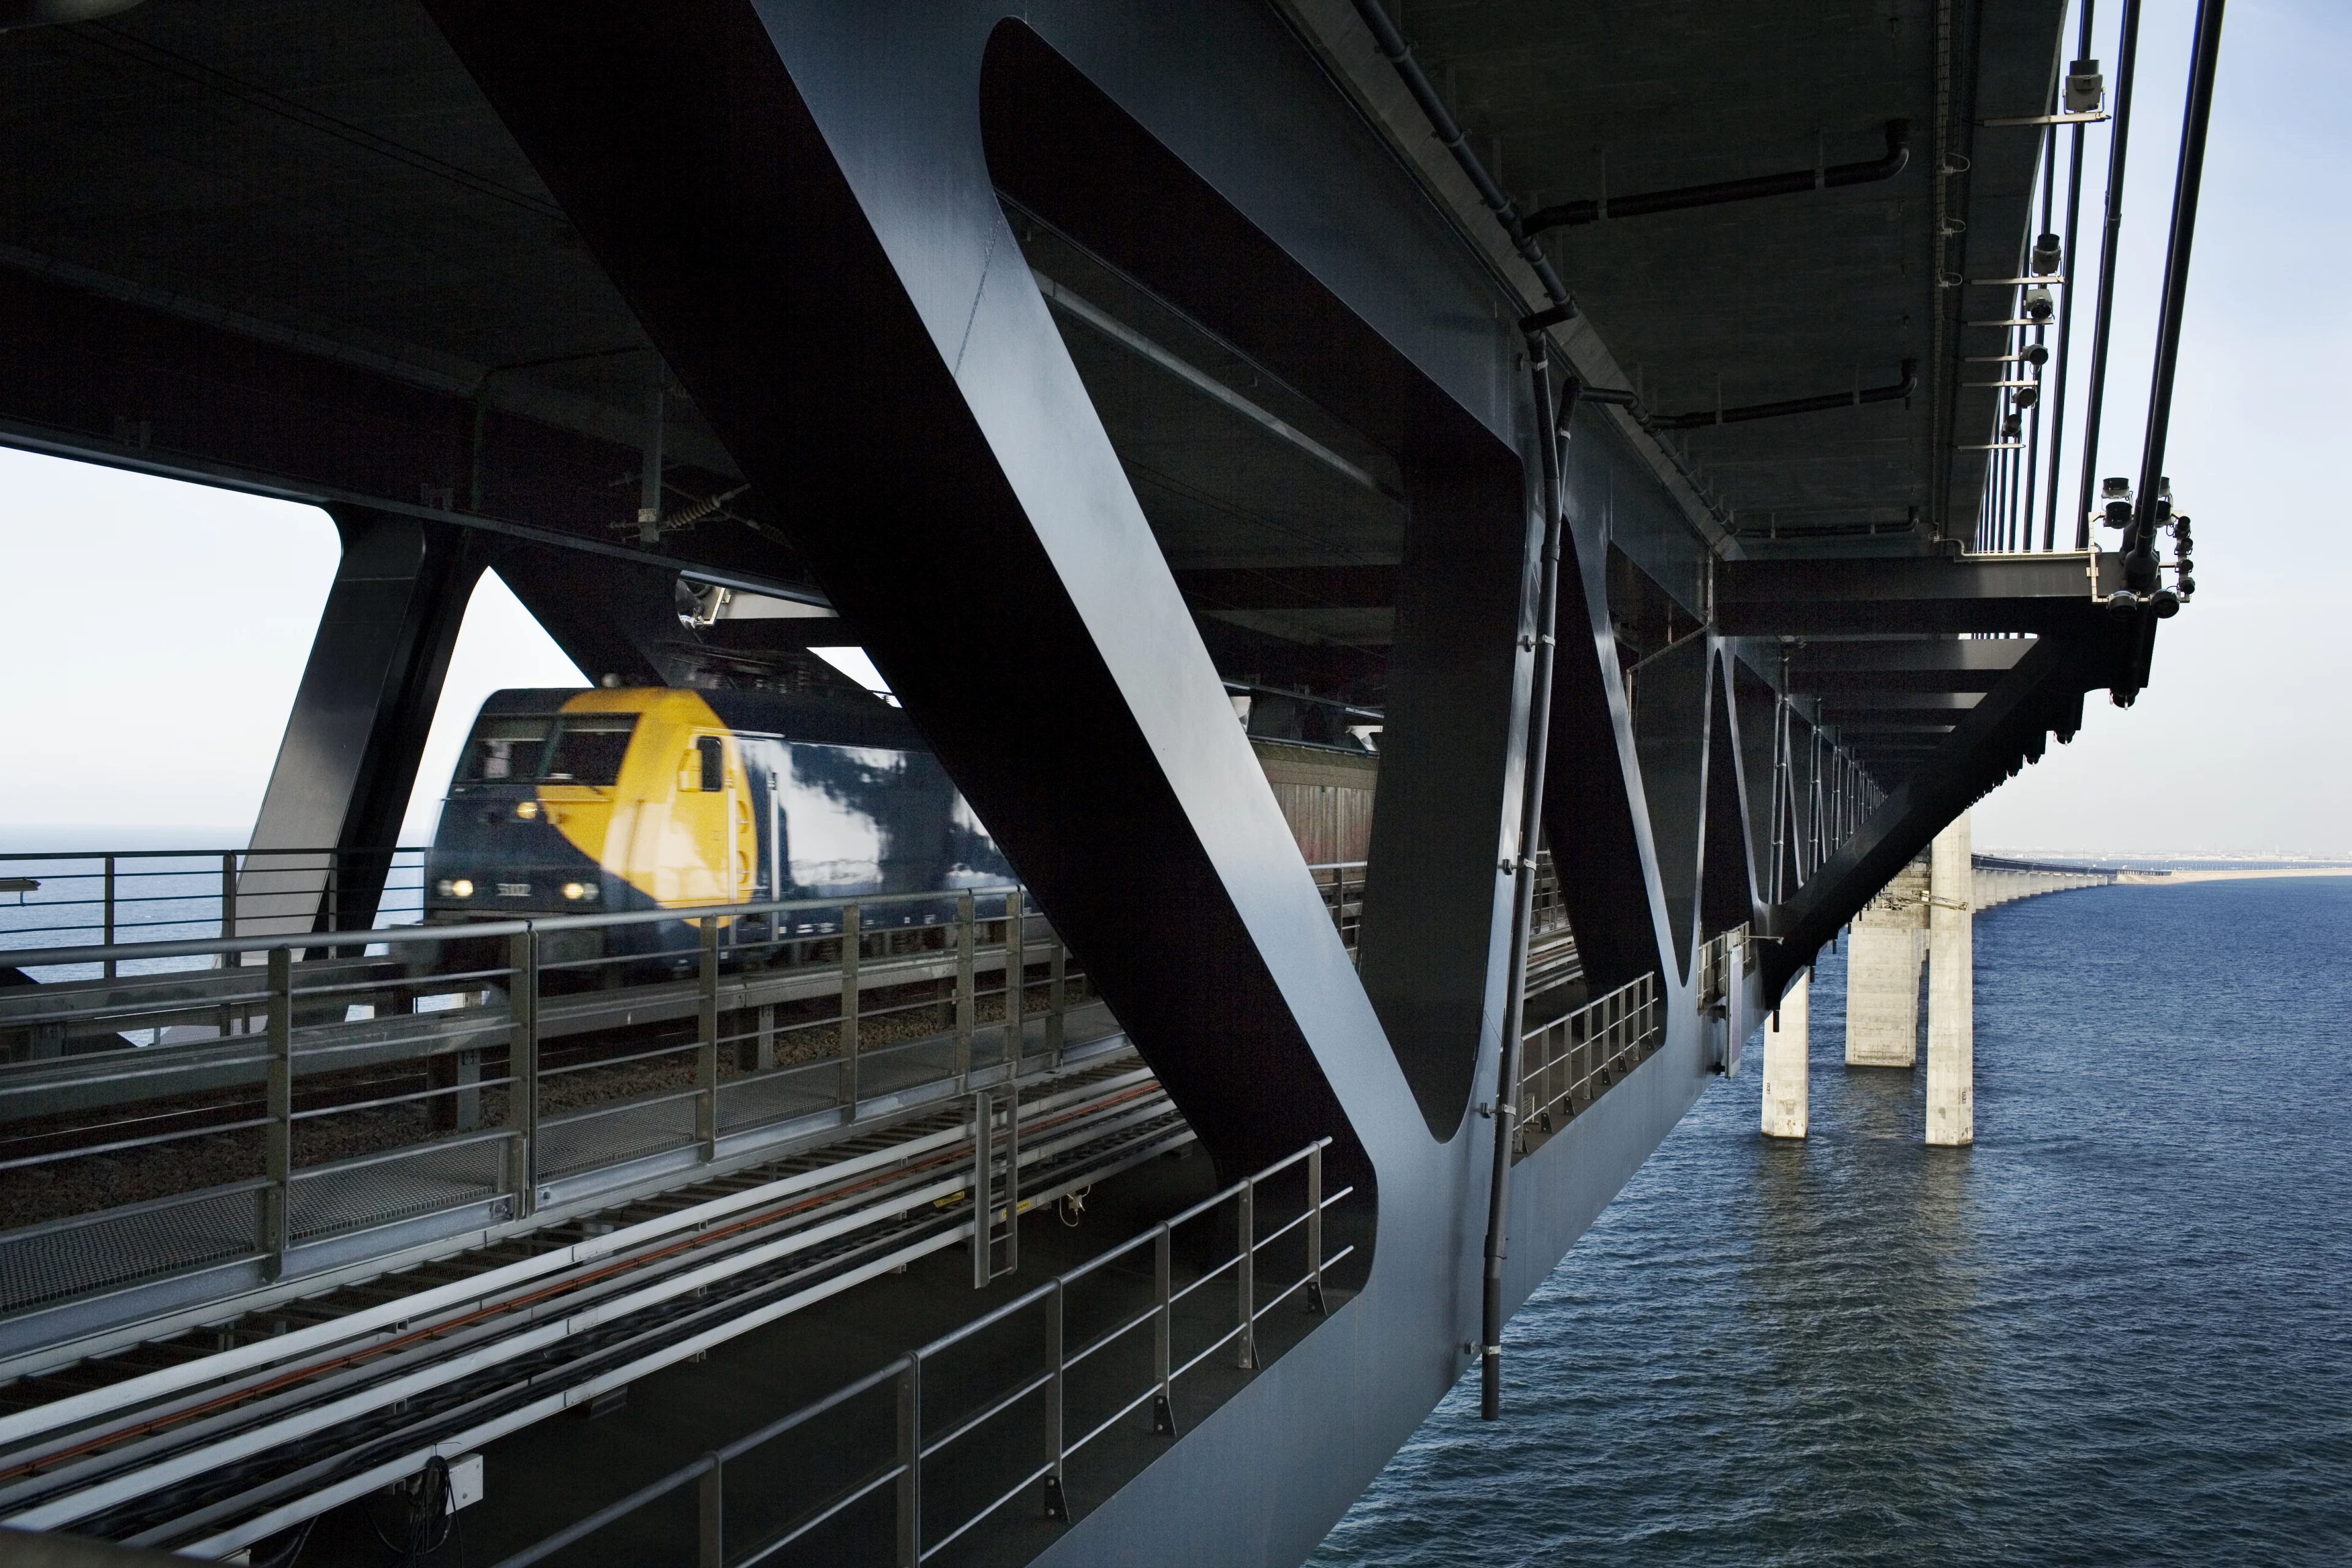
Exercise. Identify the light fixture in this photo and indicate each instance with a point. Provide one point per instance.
(458, 889)
(526, 809)
(575, 891)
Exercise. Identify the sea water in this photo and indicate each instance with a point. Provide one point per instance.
(2118, 1329)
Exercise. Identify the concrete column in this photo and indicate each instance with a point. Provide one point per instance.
(1951, 1008)
(1882, 973)
(1785, 1041)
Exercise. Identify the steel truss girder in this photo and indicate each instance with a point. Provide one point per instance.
(800, 205)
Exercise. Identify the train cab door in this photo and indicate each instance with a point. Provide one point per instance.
(714, 808)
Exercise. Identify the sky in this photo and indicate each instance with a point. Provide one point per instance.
(159, 628)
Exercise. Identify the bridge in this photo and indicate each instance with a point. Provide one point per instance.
(1454, 548)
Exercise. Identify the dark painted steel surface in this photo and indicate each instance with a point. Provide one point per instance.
(830, 167)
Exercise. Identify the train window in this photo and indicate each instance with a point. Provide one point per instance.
(714, 762)
(589, 748)
(506, 749)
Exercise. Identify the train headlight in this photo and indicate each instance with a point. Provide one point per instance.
(459, 888)
(526, 809)
(578, 890)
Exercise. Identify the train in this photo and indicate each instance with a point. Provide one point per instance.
(570, 801)
(614, 800)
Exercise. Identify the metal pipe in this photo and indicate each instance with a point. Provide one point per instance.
(2205, 55)
(2066, 303)
(1399, 53)
(1625, 398)
(2127, 57)
(1549, 429)
(1868, 172)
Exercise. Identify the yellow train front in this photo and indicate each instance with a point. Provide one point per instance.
(587, 801)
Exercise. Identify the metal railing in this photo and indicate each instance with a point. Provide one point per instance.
(276, 1106)
(1073, 1380)
(1574, 1060)
(106, 897)
(1719, 961)
(1551, 946)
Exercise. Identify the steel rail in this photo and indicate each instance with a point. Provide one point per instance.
(187, 1464)
(487, 1430)
(697, 1219)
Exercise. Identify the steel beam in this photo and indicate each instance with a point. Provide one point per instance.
(803, 206)
(1880, 597)
(347, 762)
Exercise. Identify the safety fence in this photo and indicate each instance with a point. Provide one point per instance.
(277, 1108)
(106, 897)
(1551, 946)
(916, 1456)
(1571, 1062)
(1719, 962)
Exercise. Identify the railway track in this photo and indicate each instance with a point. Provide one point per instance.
(212, 1440)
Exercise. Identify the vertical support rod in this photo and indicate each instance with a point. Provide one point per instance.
(966, 999)
(2057, 376)
(228, 899)
(109, 937)
(1057, 1504)
(1540, 641)
(1245, 1275)
(2205, 58)
(522, 1064)
(1773, 892)
(851, 945)
(711, 1515)
(1057, 999)
(1012, 1176)
(2118, 146)
(706, 1052)
(1314, 1303)
(1016, 981)
(983, 1188)
(910, 1464)
(278, 1146)
(1163, 1404)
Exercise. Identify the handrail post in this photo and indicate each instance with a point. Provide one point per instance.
(706, 1052)
(984, 1185)
(964, 992)
(711, 1515)
(851, 942)
(522, 1064)
(910, 1464)
(1017, 982)
(1314, 1302)
(1245, 1272)
(110, 970)
(228, 899)
(1163, 1404)
(1057, 999)
(1057, 1501)
(1012, 1176)
(277, 1199)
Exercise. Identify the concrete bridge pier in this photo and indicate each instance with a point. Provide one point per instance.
(1885, 945)
(1951, 973)
(1786, 1040)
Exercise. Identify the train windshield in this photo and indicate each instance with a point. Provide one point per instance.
(507, 749)
(589, 748)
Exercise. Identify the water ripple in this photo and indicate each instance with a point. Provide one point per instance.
(2115, 1331)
